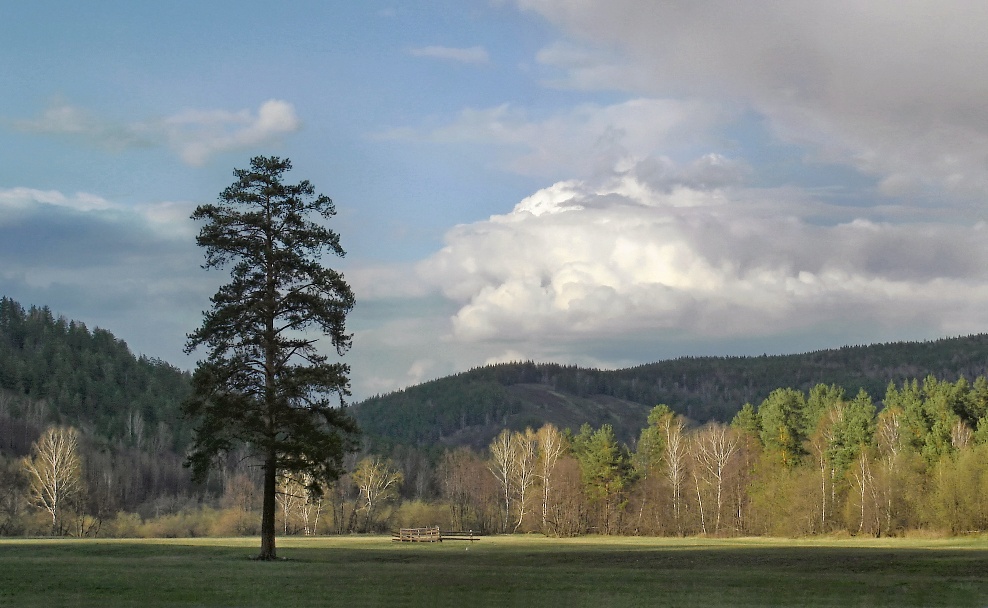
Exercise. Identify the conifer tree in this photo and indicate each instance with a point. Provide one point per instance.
(264, 384)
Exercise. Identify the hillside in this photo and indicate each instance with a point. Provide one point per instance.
(471, 407)
(57, 370)
(65, 373)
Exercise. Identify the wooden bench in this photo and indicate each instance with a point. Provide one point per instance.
(430, 535)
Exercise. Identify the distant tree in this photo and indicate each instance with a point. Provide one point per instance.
(714, 448)
(783, 424)
(263, 383)
(606, 469)
(746, 421)
(455, 475)
(54, 471)
(502, 465)
(675, 456)
(13, 488)
(526, 469)
(378, 482)
(473, 496)
(551, 445)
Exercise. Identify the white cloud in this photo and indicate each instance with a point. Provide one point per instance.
(583, 261)
(474, 54)
(376, 281)
(196, 135)
(24, 198)
(199, 135)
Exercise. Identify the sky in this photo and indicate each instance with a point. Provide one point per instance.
(595, 183)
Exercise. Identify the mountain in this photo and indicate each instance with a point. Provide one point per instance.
(470, 408)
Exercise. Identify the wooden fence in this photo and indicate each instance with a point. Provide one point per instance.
(430, 535)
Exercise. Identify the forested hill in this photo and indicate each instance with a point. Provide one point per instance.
(469, 408)
(54, 370)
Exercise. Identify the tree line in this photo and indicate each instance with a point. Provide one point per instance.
(798, 463)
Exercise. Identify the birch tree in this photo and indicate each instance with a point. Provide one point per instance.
(551, 444)
(675, 456)
(502, 466)
(525, 469)
(54, 471)
(378, 482)
(715, 446)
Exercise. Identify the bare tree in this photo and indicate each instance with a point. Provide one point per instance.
(502, 465)
(864, 479)
(310, 509)
(54, 471)
(961, 435)
(526, 466)
(552, 444)
(675, 456)
(300, 504)
(378, 482)
(889, 434)
(822, 443)
(345, 495)
(714, 447)
(291, 493)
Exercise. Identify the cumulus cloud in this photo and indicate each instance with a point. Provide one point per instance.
(888, 88)
(583, 261)
(195, 135)
(474, 54)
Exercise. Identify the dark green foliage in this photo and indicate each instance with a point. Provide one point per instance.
(747, 421)
(264, 385)
(605, 467)
(783, 424)
(88, 379)
(427, 413)
(700, 388)
(652, 440)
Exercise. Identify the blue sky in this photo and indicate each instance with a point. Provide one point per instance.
(603, 184)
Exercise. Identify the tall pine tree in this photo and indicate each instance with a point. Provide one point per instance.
(264, 384)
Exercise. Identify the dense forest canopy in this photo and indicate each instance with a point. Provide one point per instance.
(88, 378)
(700, 388)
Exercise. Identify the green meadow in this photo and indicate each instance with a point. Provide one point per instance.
(496, 571)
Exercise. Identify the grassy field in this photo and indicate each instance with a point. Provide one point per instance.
(496, 571)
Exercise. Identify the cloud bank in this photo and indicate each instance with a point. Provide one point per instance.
(579, 261)
(887, 88)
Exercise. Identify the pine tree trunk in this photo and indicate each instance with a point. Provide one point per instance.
(268, 509)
